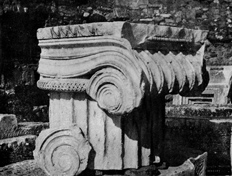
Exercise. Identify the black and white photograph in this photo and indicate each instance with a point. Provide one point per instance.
(115, 87)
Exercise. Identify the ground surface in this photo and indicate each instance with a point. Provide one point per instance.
(30, 168)
(25, 168)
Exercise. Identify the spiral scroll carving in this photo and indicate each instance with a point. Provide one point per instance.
(62, 152)
(113, 91)
(113, 73)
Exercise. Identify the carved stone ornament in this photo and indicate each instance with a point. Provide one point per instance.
(110, 60)
(70, 85)
(62, 151)
(110, 81)
(109, 65)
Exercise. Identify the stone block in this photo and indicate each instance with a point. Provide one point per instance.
(33, 128)
(8, 121)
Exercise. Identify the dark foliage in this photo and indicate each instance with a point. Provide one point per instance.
(16, 152)
(22, 102)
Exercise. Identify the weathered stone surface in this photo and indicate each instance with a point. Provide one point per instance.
(52, 65)
(8, 121)
(33, 128)
(135, 33)
(200, 164)
(187, 168)
(65, 151)
(111, 84)
(217, 92)
(219, 112)
(108, 135)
